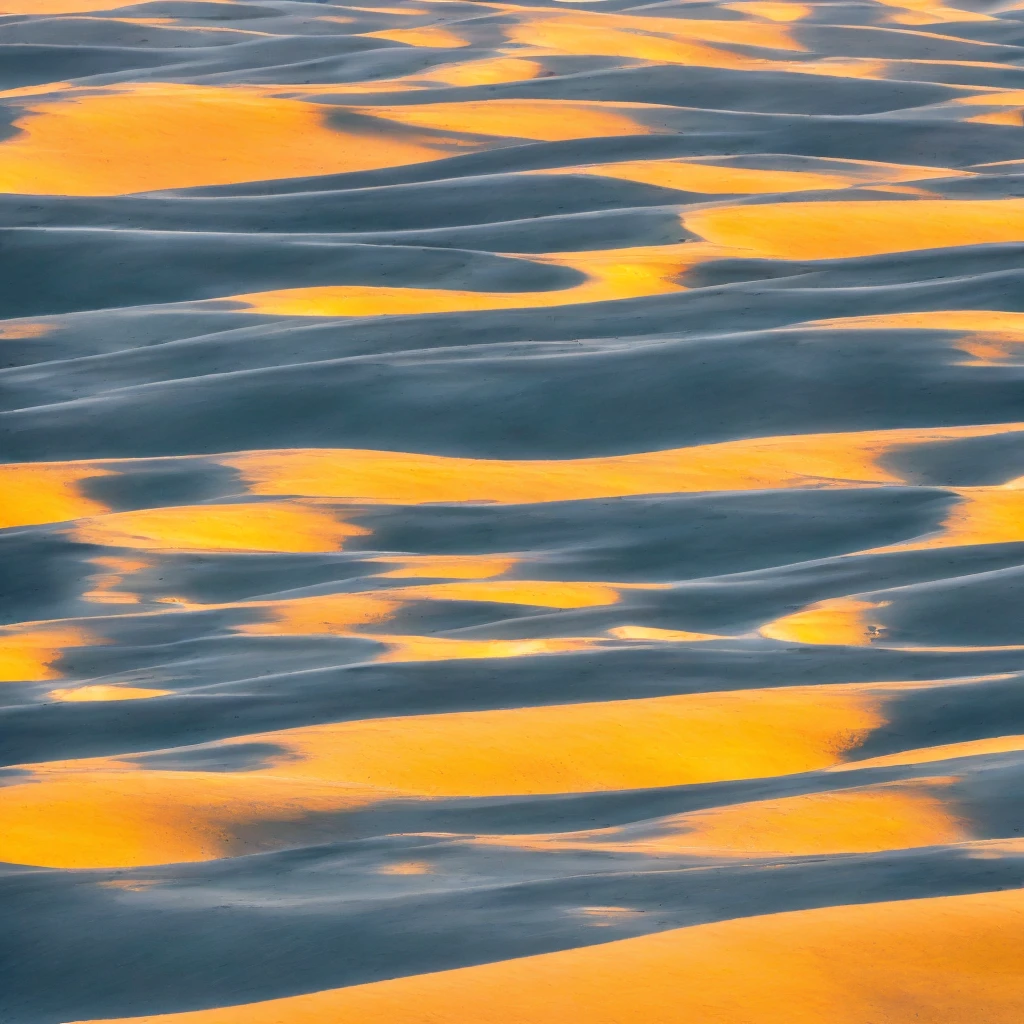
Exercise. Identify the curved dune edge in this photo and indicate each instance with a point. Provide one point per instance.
(47, 492)
(946, 960)
(136, 137)
(104, 692)
(267, 526)
(719, 177)
(30, 652)
(869, 819)
(944, 752)
(990, 337)
(992, 321)
(485, 71)
(808, 460)
(836, 230)
(125, 815)
(982, 515)
(428, 36)
(52, 492)
(818, 230)
(858, 621)
(611, 275)
(841, 621)
(340, 614)
(139, 138)
(133, 138)
(453, 567)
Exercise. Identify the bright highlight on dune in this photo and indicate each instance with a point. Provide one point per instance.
(138, 138)
(128, 815)
(109, 584)
(950, 959)
(723, 178)
(823, 231)
(945, 752)
(543, 120)
(697, 42)
(104, 692)
(339, 613)
(611, 275)
(822, 460)
(430, 36)
(251, 527)
(983, 515)
(47, 492)
(455, 567)
(870, 819)
(848, 621)
(991, 337)
(32, 652)
(463, 73)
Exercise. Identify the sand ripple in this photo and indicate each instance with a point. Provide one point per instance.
(512, 513)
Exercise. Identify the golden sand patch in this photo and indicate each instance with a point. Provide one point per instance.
(46, 492)
(545, 24)
(661, 635)
(342, 613)
(137, 138)
(725, 179)
(661, 40)
(983, 515)
(111, 816)
(610, 275)
(988, 321)
(272, 526)
(807, 460)
(104, 692)
(107, 584)
(429, 36)
(944, 752)
(992, 337)
(15, 329)
(869, 819)
(837, 230)
(485, 71)
(946, 960)
(629, 744)
(29, 653)
(541, 120)
(1013, 118)
(438, 648)
(456, 567)
(930, 12)
(840, 620)
(489, 71)
(772, 10)
(108, 812)
(406, 867)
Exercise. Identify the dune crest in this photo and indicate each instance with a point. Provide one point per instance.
(511, 513)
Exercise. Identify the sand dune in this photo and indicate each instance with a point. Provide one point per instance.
(510, 512)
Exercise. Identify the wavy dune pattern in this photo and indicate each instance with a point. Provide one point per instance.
(512, 513)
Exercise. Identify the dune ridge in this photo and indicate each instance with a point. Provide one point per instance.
(511, 512)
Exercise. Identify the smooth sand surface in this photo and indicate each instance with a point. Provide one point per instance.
(512, 513)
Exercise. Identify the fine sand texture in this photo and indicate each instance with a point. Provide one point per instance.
(512, 513)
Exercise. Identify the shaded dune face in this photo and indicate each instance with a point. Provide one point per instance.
(511, 513)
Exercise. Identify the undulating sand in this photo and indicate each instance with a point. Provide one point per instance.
(512, 513)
